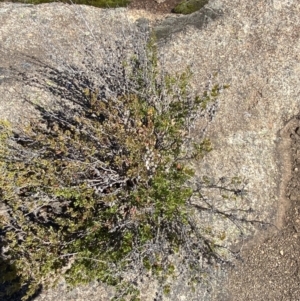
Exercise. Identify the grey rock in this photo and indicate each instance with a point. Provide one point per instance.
(173, 25)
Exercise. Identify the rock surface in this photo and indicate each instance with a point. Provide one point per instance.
(270, 268)
(253, 46)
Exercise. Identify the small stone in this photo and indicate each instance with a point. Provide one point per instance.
(281, 252)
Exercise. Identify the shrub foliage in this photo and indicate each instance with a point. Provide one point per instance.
(189, 6)
(101, 188)
(96, 3)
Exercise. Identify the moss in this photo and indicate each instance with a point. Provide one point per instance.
(189, 6)
(96, 3)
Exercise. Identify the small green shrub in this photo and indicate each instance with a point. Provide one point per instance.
(96, 3)
(100, 188)
(189, 6)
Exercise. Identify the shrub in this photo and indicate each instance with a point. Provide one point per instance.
(189, 6)
(100, 186)
(96, 3)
